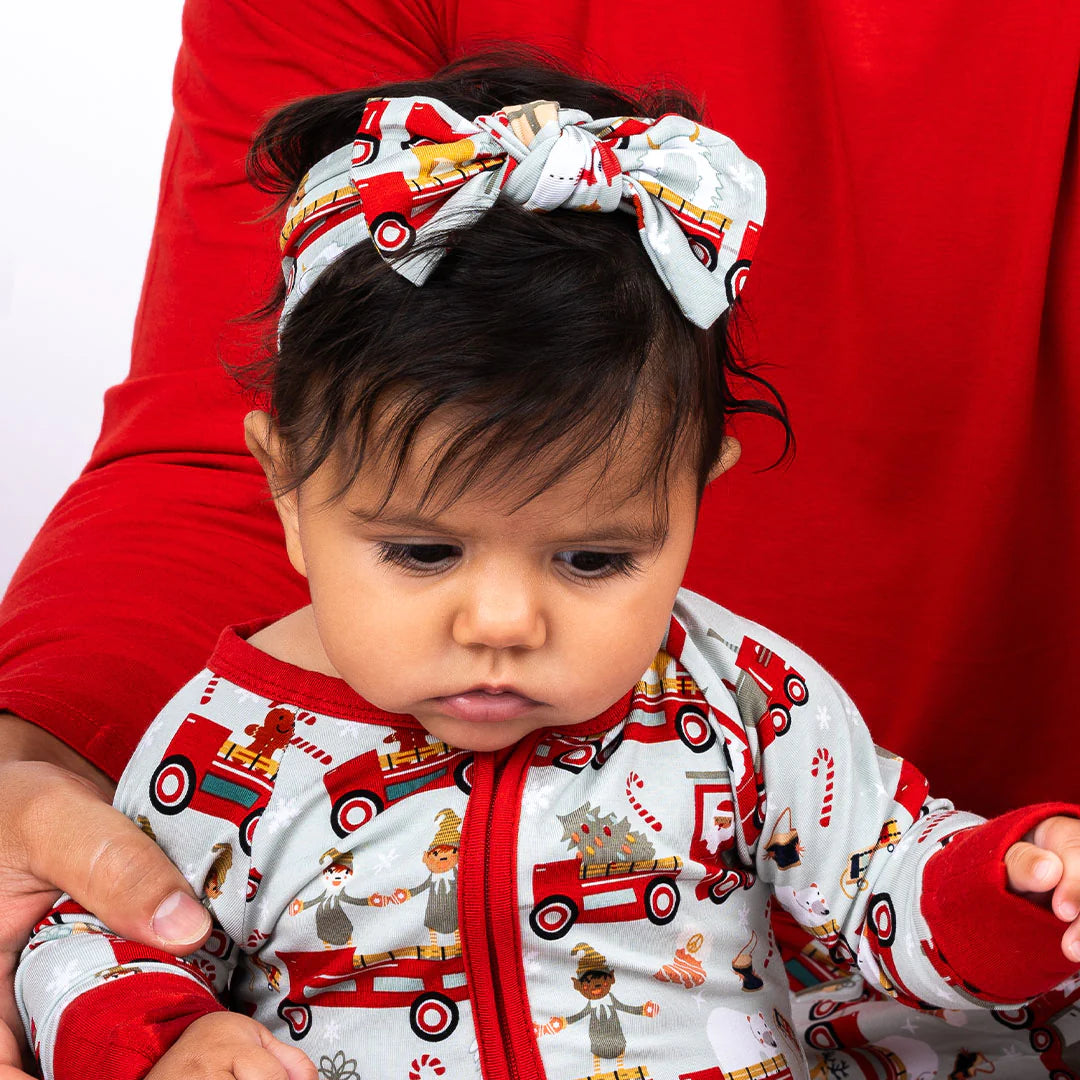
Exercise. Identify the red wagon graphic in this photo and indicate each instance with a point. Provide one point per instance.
(205, 769)
(573, 892)
(364, 786)
(428, 980)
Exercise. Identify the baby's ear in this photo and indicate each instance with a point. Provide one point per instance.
(261, 436)
(730, 451)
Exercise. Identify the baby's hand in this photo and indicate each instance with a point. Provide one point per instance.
(228, 1044)
(1047, 861)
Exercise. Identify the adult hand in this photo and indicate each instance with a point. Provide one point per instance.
(58, 833)
(1045, 865)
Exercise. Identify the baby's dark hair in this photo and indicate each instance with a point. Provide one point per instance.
(536, 331)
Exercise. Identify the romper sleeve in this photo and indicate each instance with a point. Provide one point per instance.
(168, 534)
(96, 1004)
(853, 845)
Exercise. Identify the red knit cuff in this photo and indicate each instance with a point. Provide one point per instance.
(999, 946)
(121, 1029)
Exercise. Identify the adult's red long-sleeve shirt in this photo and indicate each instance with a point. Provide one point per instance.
(917, 288)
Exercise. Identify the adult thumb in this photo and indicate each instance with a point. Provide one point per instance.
(71, 839)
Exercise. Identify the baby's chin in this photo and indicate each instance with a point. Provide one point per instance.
(483, 737)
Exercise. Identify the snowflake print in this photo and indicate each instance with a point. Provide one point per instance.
(339, 1067)
(386, 858)
(64, 978)
(824, 721)
(246, 696)
(742, 174)
(536, 799)
(282, 813)
(331, 1030)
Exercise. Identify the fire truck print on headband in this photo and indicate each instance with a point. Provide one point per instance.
(594, 907)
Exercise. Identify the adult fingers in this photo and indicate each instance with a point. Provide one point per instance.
(57, 832)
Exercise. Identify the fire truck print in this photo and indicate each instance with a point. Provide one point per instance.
(206, 769)
(766, 688)
(363, 787)
(428, 980)
(613, 877)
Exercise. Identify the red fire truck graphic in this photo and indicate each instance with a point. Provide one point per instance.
(774, 691)
(363, 787)
(572, 891)
(428, 980)
(678, 712)
(774, 1068)
(714, 834)
(1052, 1023)
(205, 769)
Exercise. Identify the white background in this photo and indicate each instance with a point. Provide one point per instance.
(84, 113)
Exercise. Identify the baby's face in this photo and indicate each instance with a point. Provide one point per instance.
(486, 623)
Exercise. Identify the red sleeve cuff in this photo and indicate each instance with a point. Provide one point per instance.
(1001, 947)
(119, 1030)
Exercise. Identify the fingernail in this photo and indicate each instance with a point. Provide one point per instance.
(1074, 951)
(1067, 911)
(180, 920)
(1042, 870)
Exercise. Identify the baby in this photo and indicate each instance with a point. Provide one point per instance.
(505, 801)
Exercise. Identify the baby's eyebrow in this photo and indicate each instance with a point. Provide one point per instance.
(653, 534)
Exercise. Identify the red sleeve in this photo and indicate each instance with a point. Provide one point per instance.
(168, 536)
(999, 946)
(120, 1029)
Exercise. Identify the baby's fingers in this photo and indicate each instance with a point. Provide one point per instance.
(267, 1063)
(1031, 869)
(1061, 836)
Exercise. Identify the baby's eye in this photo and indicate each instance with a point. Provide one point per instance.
(422, 557)
(598, 564)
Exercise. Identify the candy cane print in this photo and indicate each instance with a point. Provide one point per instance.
(426, 1066)
(823, 757)
(635, 781)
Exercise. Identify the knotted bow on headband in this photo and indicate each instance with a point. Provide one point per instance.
(417, 165)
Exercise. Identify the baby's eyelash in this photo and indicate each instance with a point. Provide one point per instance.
(410, 557)
(404, 555)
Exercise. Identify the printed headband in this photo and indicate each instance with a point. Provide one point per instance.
(416, 165)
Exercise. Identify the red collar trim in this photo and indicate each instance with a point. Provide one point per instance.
(241, 663)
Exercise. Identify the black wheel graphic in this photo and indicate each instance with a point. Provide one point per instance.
(724, 886)
(247, 829)
(365, 149)
(463, 774)
(661, 900)
(693, 727)
(795, 688)
(780, 718)
(820, 1009)
(576, 758)
(736, 279)
(552, 918)
(433, 1017)
(1041, 1040)
(298, 1017)
(172, 785)
(705, 250)
(883, 919)
(392, 233)
(822, 1036)
(354, 809)
(1017, 1019)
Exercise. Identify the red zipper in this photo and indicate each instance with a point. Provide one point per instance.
(488, 901)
